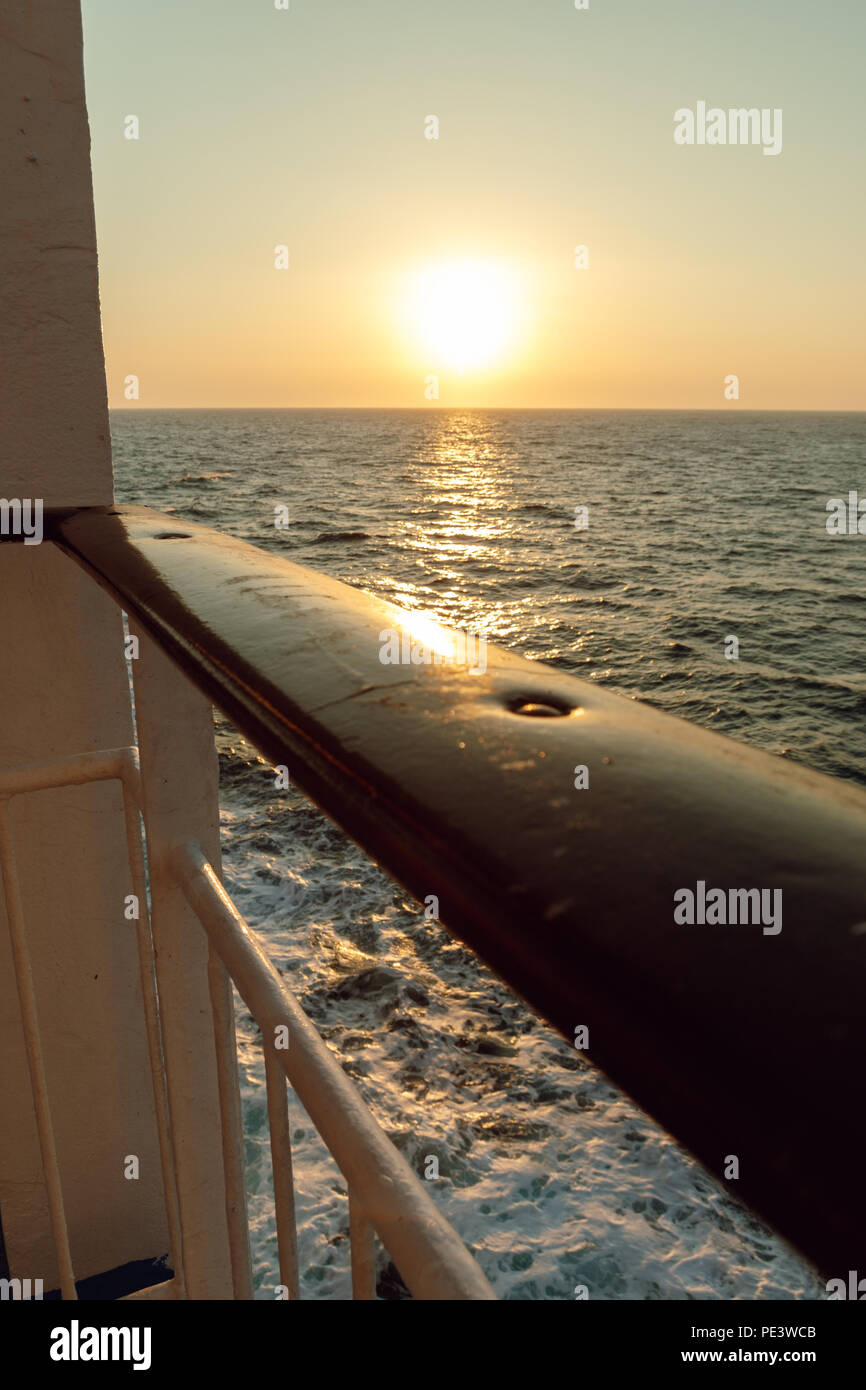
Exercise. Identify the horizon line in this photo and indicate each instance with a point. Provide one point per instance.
(513, 409)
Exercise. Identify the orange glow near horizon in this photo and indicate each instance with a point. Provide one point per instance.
(411, 252)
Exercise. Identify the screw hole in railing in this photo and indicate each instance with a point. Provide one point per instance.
(541, 708)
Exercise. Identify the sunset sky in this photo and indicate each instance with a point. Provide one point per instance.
(411, 257)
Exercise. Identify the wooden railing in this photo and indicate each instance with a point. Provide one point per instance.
(745, 1041)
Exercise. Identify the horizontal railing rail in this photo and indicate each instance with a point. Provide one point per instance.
(385, 1196)
(745, 1041)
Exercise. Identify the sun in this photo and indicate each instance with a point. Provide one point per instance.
(465, 314)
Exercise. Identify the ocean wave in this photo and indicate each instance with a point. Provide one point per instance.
(324, 537)
(193, 479)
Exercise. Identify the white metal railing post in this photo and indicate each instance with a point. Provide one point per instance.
(147, 969)
(237, 1219)
(179, 786)
(363, 1251)
(281, 1165)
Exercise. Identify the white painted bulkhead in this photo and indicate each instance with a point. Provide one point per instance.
(64, 690)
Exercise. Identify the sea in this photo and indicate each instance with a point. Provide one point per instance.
(700, 527)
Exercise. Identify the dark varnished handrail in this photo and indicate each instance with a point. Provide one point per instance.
(741, 1043)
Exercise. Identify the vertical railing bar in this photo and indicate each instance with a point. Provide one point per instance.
(237, 1221)
(363, 1251)
(281, 1164)
(424, 1246)
(35, 1060)
(147, 970)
